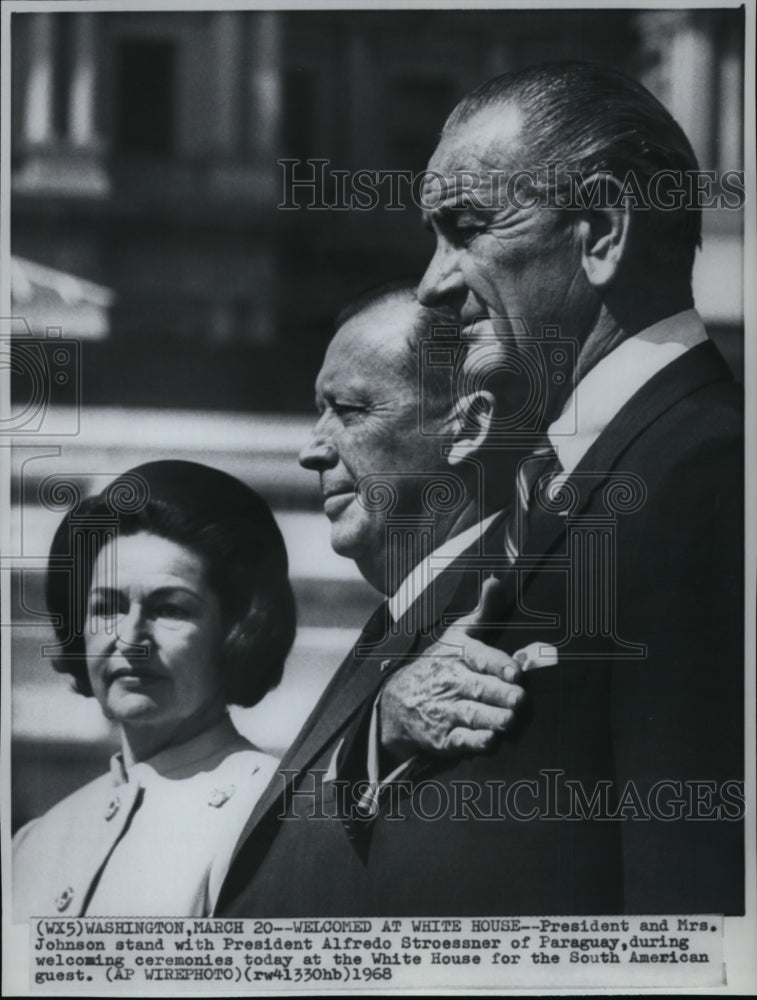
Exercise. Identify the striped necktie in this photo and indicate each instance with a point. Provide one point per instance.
(533, 468)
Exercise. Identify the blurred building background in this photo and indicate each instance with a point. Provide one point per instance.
(174, 310)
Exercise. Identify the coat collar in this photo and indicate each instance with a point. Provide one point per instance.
(698, 367)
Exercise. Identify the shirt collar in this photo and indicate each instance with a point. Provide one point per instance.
(416, 582)
(183, 760)
(603, 392)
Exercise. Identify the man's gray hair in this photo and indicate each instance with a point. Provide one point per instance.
(435, 382)
(593, 119)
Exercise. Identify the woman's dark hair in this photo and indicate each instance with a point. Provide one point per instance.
(218, 517)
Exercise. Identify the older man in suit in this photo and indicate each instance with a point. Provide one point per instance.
(414, 490)
(402, 474)
(637, 552)
(622, 549)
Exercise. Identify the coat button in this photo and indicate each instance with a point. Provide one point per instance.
(385, 664)
(63, 901)
(112, 807)
(220, 795)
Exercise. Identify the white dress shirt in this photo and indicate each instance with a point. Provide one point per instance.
(605, 390)
(420, 578)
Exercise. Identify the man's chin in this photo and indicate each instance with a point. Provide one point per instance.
(351, 543)
(343, 543)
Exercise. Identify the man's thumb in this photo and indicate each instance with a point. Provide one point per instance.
(487, 612)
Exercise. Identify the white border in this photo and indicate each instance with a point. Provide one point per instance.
(740, 933)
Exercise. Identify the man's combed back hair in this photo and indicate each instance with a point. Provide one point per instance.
(593, 118)
(435, 381)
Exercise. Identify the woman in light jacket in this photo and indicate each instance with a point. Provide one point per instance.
(167, 611)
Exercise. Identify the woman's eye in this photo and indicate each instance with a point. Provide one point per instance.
(105, 605)
(103, 609)
(171, 610)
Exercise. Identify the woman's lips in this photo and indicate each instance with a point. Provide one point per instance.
(134, 677)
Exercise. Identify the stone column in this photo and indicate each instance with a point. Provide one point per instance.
(81, 95)
(265, 87)
(682, 74)
(361, 96)
(38, 110)
(693, 86)
(227, 44)
(730, 112)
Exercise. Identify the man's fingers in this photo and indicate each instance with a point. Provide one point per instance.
(483, 659)
(460, 740)
(483, 688)
(473, 715)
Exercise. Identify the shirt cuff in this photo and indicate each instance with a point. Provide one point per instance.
(369, 800)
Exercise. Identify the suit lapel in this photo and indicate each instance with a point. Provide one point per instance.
(377, 653)
(698, 367)
(370, 662)
(375, 626)
(355, 680)
(359, 684)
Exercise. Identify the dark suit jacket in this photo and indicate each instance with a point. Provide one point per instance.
(639, 727)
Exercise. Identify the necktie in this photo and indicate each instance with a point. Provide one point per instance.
(541, 462)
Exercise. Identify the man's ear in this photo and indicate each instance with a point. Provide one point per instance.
(604, 229)
(472, 421)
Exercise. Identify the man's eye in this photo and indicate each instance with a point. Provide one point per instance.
(464, 235)
(458, 230)
(347, 409)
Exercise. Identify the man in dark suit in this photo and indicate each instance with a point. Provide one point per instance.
(637, 552)
(622, 790)
(401, 476)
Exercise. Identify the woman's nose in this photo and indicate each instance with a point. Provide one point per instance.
(131, 628)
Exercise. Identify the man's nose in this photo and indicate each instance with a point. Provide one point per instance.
(442, 283)
(318, 454)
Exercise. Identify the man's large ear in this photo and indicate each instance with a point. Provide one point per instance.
(604, 228)
(472, 418)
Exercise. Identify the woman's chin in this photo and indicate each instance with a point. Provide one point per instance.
(133, 708)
